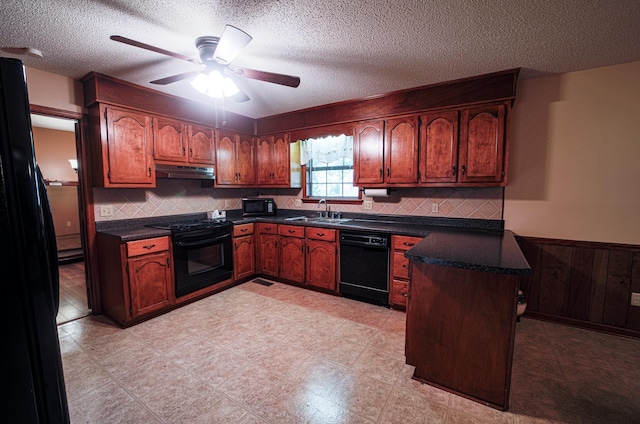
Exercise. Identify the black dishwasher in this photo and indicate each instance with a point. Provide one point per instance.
(364, 266)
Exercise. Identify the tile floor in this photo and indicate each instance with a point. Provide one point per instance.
(73, 293)
(281, 354)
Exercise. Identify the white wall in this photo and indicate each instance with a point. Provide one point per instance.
(575, 156)
(54, 91)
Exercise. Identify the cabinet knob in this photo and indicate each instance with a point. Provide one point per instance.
(388, 172)
(408, 244)
(455, 169)
(464, 169)
(149, 246)
(320, 234)
(244, 230)
(381, 172)
(405, 294)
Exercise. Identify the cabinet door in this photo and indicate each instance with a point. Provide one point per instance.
(150, 282)
(368, 153)
(439, 147)
(129, 145)
(243, 257)
(321, 264)
(267, 255)
(168, 140)
(292, 259)
(482, 132)
(245, 164)
(201, 148)
(281, 161)
(225, 159)
(401, 150)
(265, 160)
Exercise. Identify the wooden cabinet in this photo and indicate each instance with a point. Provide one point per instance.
(137, 277)
(322, 258)
(385, 152)
(169, 140)
(273, 161)
(292, 255)
(200, 145)
(482, 135)
(122, 152)
(243, 251)
(267, 249)
(439, 147)
(235, 160)
(463, 147)
(400, 270)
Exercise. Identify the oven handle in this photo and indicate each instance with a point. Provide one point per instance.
(201, 242)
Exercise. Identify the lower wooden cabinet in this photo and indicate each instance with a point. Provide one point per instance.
(244, 263)
(322, 258)
(400, 271)
(267, 249)
(137, 277)
(291, 251)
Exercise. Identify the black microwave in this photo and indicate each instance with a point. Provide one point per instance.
(253, 206)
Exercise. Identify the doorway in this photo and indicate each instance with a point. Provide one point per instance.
(54, 140)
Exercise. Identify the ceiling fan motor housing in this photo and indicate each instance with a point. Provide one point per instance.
(206, 46)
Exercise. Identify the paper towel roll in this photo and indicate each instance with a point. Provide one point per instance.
(376, 192)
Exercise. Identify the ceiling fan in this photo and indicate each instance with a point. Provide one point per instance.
(216, 53)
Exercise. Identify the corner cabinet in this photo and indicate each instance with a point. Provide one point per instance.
(137, 277)
(273, 161)
(464, 147)
(122, 148)
(384, 152)
(235, 160)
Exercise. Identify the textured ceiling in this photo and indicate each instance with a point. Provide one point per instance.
(341, 49)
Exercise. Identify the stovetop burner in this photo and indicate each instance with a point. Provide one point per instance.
(193, 225)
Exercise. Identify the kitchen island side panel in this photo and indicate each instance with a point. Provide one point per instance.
(460, 331)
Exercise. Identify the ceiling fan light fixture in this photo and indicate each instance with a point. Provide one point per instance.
(231, 42)
(213, 84)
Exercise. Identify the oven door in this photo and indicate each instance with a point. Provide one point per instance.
(201, 260)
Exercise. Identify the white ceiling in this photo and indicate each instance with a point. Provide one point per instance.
(341, 49)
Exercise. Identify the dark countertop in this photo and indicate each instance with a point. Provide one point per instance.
(460, 243)
(488, 251)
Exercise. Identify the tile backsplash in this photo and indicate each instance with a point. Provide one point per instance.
(175, 197)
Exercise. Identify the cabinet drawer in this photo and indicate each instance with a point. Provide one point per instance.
(405, 242)
(400, 265)
(320, 234)
(291, 231)
(399, 292)
(242, 230)
(267, 228)
(152, 245)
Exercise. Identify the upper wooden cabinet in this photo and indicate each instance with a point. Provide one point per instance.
(439, 147)
(122, 148)
(384, 152)
(273, 161)
(235, 159)
(177, 141)
(465, 147)
(482, 136)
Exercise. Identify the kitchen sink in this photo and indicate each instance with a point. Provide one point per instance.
(318, 219)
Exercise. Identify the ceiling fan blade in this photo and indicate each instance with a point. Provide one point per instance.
(175, 78)
(153, 48)
(288, 80)
(240, 96)
(232, 41)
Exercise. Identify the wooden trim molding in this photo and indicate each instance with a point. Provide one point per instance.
(585, 284)
(494, 87)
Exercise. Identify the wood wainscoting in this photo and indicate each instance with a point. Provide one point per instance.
(586, 284)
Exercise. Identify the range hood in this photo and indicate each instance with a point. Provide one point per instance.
(185, 172)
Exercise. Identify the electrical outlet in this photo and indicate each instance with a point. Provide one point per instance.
(635, 299)
(68, 223)
(434, 207)
(106, 210)
(368, 204)
(226, 204)
(298, 203)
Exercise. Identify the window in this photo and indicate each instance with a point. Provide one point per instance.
(328, 168)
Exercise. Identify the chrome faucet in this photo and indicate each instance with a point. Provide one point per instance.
(326, 208)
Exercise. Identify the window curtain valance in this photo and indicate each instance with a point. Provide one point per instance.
(326, 149)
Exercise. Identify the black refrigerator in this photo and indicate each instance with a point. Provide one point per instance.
(32, 382)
